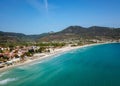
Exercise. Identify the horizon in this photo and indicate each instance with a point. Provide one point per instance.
(41, 16)
(63, 29)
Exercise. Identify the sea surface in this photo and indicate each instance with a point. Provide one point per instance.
(89, 66)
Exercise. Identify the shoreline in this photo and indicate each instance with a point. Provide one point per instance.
(43, 56)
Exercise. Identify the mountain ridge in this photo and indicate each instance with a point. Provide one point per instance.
(77, 32)
(71, 32)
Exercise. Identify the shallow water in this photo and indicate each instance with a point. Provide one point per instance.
(90, 66)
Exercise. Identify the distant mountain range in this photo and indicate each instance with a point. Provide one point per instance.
(78, 32)
(19, 37)
(70, 33)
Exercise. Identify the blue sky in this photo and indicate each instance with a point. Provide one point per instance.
(39, 16)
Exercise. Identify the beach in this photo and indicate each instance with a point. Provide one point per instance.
(42, 56)
(70, 68)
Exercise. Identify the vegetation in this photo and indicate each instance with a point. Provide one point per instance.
(71, 33)
(51, 44)
(74, 35)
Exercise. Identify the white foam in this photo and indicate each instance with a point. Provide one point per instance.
(2, 74)
(5, 81)
(36, 63)
(24, 67)
(57, 55)
(72, 52)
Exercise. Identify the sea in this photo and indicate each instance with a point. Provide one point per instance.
(97, 65)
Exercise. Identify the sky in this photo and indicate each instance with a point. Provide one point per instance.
(40, 16)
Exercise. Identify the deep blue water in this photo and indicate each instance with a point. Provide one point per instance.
(90, 66)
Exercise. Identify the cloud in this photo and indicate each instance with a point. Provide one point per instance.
(41, 5)
(46, 5)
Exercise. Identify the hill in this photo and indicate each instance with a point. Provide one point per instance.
(11, 37)
(78, 32)
(68, 34)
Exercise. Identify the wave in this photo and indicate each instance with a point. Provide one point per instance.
(72, 52)
(58, 55)
(3, 82)
(35, 63)
(2, 74)
(23, 68)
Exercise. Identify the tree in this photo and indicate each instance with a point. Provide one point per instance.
(28, 54)
(1, 51)
(31, 51)
(41, 49)
(11, 47)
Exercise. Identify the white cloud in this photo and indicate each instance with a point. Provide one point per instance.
(46, 5)
(41, 5)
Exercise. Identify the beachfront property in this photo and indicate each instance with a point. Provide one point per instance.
(18, 54)
(10, 56)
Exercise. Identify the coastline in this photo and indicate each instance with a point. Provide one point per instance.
(42, 56)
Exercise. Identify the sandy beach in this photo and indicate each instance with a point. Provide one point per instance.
(42, 56)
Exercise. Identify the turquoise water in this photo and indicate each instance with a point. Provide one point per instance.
(89, 66)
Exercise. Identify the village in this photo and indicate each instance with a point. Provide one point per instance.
(13, 55)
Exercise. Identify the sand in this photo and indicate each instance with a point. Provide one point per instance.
(42, 56)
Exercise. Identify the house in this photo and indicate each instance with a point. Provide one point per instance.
(9, 63)
(15, 59)
(1, 65)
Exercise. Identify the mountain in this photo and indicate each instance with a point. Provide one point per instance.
(10, 37)
(78, 32)
(69, 33)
